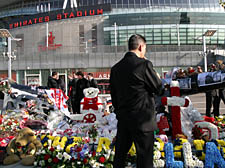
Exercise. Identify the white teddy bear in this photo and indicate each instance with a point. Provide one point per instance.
(91, 102)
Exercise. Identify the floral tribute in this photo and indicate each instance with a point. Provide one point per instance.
(72, 152)
(8, 126)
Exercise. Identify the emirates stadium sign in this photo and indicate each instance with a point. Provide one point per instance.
(59, 14)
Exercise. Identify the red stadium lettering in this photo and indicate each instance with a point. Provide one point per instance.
(79, 13)
(92, 12)
(30, 22)
(20, 24)
(16, 24)
(71, 15)
(35, 20)
(11, 26)
(99, 11)
(24, 22)
(40, 19)
(65, 15)
(47, 19)
(85, 13)
(59, 17)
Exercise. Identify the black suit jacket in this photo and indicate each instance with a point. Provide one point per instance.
(133, 83)
(93, 83)
(81, 85)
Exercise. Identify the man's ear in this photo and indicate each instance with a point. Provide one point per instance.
(140, 48)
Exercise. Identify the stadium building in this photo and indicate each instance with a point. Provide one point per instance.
(91, 35)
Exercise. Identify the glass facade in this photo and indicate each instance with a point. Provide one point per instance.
(167, 28)
(36, 6)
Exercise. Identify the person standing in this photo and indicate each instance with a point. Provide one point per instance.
(212, 97)
(133, 84)
(92, 81)
(53, 80)
(61, 83)
(82, 83)
(72, 91)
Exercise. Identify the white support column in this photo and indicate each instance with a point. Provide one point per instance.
(205, 54)
(47, 35)
(115, 33)
(9, 58)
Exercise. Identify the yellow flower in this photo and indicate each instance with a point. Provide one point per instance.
(199, 146)
(63, 142)
(222, 145)
(56, 141)
(179, 148)
(132, 150)
(77, 139)
(161, 146)
(103, 141)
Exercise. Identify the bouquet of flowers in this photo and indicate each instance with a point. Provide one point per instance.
(8, 126)
(75, 152)
(93, 133)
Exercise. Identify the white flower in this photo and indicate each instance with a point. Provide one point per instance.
(38, 152)
(59, 156)
(156, 155)
(42, 163)
(50, 143)
(35, 163)
(221, 117)
(59, 148)
(43, 152)
(92, 162)
(157, 144)
(50, 160)
(79, 162)
(66, 156)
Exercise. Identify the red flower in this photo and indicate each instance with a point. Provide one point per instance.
(78, 156)
(49, 167)
(85, 160)
(55, 160)
(9, 123)
(93, 153)
(102, 159)
(52, 149)
(73, 159)
(78, 149)
(46, 157)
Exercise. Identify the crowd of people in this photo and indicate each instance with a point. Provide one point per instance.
(77, 83)
(213, 97)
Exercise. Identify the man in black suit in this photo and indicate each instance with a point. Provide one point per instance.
(82, 83)
(133, 83)
(72, 91)
(53, 80)
(92, 81)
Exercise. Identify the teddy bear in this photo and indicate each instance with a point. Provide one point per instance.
(23, 147)
(91, 102)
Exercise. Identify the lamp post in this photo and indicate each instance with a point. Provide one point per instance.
(4, 33)
(208, 33)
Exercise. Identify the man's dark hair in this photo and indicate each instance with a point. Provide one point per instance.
(80, 73)
(54, 73)
(135, 40)
(90, 74)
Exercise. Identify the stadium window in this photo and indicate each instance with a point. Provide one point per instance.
(81, 38)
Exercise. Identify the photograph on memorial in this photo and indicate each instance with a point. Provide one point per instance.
(209, 78)
(185, 83)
